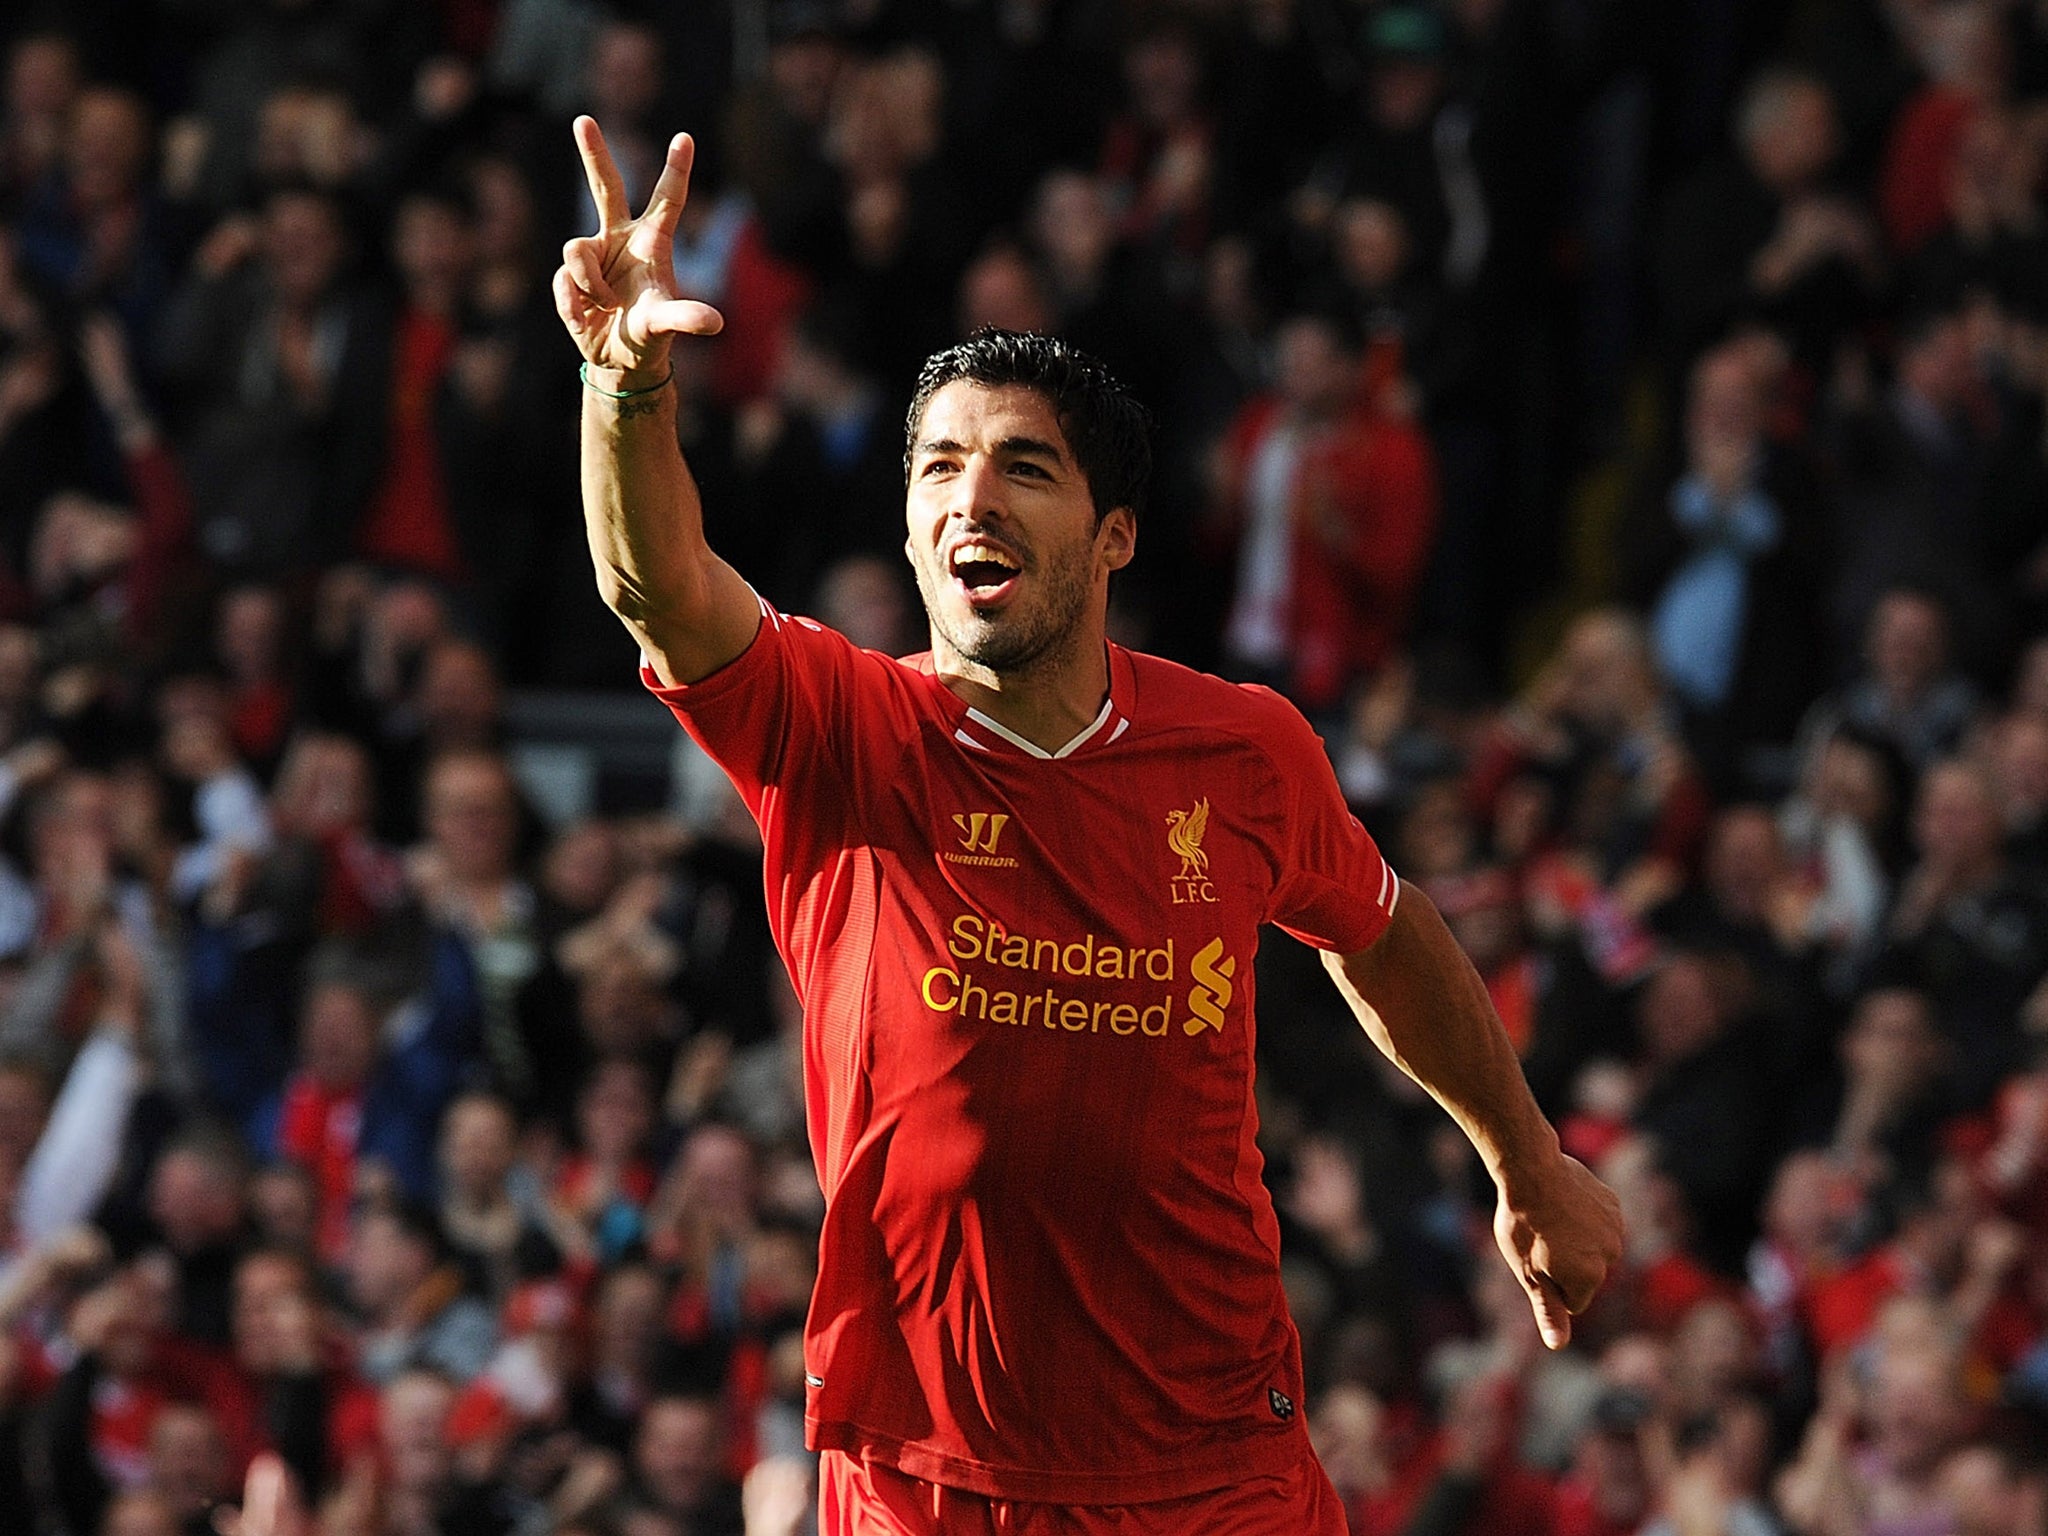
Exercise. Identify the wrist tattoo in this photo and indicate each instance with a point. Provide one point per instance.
(639, 406)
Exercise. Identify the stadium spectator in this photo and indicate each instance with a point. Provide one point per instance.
(1723, 566)
(1325, 509)
(1969, 927)
(273, 357)
(415, 1311)
(44, 73)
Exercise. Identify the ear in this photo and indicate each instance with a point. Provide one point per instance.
(1116, 538)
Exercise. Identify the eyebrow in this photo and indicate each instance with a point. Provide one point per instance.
(1009, 447)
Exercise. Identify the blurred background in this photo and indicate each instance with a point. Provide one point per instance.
(1619, 426)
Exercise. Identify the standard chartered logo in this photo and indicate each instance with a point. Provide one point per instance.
(1212, 970)
(981, 982)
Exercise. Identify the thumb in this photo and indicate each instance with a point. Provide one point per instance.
(682, 317)
(1553, 1317)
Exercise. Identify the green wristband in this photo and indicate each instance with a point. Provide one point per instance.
(583, 373)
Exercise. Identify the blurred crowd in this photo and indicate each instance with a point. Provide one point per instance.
(1619, 426)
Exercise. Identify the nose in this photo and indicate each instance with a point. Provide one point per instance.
(979, 490)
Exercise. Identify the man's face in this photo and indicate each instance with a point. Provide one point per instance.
(431, 243)
(1956, 821)
(338, 1038)
(1678, 1014)
(108, 146)
(628, 1316)
(472, 818)
(1072, 223)
(1744, 861)
(265, 1286)
(412, 1424)
(625, 71)
(1603, 672)
(188, 1463)
(193, 1202)
(1891, 1039)
(458, 692)
(676, 1452)
(1726, 403)
(302, 245)
(1003, 537)
(385, 1265)
(1916, 1416)
(477, 1148)
(1314, 373)
(1798, 141)
(1907, 642)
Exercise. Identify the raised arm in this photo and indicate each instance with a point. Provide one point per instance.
(615, 291)
(1422, 1003)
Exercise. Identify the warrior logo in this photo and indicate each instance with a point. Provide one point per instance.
(981, 834)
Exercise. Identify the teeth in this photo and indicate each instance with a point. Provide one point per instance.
(967, 553)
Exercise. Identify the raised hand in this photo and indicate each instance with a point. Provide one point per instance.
(616, 290)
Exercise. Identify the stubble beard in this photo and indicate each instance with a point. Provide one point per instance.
(1021, 637)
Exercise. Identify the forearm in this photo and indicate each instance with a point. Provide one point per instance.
(1422, 1003)
(74, 1160)
(690, 611)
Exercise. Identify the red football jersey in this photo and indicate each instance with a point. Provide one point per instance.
(1049, 1267)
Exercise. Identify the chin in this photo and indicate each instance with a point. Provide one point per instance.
(985, 640)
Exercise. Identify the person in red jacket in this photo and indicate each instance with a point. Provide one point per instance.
(1329, 506)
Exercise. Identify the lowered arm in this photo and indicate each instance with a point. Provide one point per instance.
(1422, 1003)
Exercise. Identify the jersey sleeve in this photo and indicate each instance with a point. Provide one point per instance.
(781, 717)
(1335, 891)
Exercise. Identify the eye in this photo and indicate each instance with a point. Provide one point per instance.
(1026, 467)
(936, 467)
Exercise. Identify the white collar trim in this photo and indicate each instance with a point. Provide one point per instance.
(1032, 747)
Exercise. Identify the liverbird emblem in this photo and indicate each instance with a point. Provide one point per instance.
(1184, 833)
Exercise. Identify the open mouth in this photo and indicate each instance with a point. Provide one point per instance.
(986, 573)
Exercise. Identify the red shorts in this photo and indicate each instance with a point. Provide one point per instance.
(858, 1498)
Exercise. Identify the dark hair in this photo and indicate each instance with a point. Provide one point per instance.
(213, 1143)
(1108, 431)
(1621, 1411)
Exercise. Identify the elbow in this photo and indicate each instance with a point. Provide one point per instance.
(641, 605)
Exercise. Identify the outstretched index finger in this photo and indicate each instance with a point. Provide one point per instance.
(607, 186)
(656, 230)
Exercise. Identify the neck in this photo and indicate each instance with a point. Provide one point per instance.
(1048, 703)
